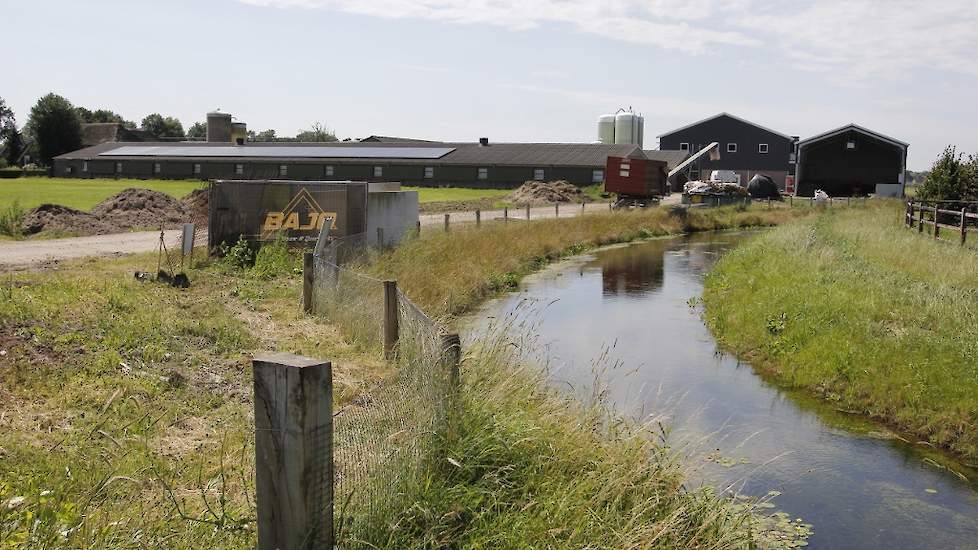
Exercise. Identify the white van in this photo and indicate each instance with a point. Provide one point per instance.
(725, 176)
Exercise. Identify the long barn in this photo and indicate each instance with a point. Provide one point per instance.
(479, 164)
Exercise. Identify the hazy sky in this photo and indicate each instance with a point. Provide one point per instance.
(511, 70)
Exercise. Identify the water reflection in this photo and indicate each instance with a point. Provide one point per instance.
(860, 491)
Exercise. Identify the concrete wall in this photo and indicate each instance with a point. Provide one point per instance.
(395, 211)
(889, 190)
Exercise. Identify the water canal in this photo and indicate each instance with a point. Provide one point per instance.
(634, 307)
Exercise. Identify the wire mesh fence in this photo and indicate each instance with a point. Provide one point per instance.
(383, 438)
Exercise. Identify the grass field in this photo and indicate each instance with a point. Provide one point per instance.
(877, 319)
(81, 194)
(127, 416)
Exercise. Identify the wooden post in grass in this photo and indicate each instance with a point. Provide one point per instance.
(308, 271)
(528, 212)
(390, 319)
(791, 201)
(582, 207)
(478, 217)
(446, 221)
(920, 218)
(936, 229)
(451, 347)
(293, 451)
(505, 214)
(419, 227)
(556, 209)
(963, 232)
(380, 237)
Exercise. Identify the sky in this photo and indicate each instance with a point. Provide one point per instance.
(509, 70)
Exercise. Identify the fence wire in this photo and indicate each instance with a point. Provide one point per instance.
(383, 439)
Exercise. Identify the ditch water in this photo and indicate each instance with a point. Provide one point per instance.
(631, 306)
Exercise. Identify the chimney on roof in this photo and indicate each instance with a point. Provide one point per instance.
(484, 142)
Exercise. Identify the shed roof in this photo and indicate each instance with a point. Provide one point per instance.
(496, 154)
(856, 128)
(394, 139)
(671, 158)
(725, 114)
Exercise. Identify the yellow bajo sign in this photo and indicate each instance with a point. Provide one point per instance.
(292, 218)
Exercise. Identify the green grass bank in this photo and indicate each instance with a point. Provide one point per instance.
(875, 318)
(82, 194)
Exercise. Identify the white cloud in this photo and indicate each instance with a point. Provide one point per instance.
(663, 23)
(849, 40)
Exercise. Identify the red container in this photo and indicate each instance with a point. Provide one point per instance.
(635, 178)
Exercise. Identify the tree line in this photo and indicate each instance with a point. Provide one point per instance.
(54, 127)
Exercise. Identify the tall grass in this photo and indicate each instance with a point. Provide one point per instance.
(520, 466)
(867, 314)
(448, 273)
(12, 219)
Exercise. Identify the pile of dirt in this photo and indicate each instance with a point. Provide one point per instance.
(197, 204)
(141, 208)
(130, 209)
(54, 217)
(539, 192)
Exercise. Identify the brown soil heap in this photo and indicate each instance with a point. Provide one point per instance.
(197, 204)
(130, 209)
(538, 192)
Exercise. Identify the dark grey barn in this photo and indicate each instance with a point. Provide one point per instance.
(851, 160)
(745, 147)
(489, 165)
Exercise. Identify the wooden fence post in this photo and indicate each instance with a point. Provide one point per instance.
(963, 232)
(556, 209)
(380, 237)
(478, 217)
(936, 229)
(791, 201)
(582, 207)
(419, 227)
(452, 355)
(293, 451)
(920, 218)
(390, 319)
(446, 221)
(505, 214)
(528, 212)
(308, 271)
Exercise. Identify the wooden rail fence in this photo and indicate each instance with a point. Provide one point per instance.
(938, 215)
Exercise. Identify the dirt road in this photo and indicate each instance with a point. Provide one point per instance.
(20, 254)
(25, 254)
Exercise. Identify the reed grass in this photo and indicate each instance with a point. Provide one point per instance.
(852, 306)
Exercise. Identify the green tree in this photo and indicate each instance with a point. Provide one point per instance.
(197, 130)
(319, 133)
(10, 141)
(55, 127)
(264, 135)
(103, 115)
(159, 126)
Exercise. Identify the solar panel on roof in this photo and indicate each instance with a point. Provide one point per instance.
(266, 152)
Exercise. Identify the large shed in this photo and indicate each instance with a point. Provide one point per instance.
(851, 160)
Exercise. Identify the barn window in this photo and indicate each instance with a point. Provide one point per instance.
(378, 171)
(538, 174)
(762, 147)
(597, 176)
(156, 168)
(329, 170)
(197, 168)
(239, 169)
(84, 166)
(283, 170)
(731, 147)
(68, 169)
(483, 173)
(684, 147)
(850, 145)
(118, 168)
(429, 172)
